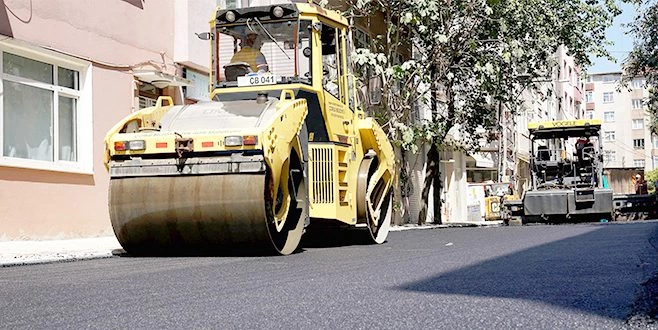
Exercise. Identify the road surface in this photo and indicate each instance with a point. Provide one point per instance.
(586, 276)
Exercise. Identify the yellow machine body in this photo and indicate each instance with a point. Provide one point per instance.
(270, 153)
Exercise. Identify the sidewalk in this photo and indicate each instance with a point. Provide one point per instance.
(16, 253)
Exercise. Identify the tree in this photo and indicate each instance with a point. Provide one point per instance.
(480, 53)
(652, 178)
(643, 59)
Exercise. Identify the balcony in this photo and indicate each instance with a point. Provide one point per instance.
(489, 146)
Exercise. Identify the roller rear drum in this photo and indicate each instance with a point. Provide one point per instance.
(231, 213)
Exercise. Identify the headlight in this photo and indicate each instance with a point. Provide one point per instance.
(230, 16)
(130, 145)
(277, 12)
(236, 141)
(233, 141)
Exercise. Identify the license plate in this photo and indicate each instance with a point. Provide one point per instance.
(257, 80)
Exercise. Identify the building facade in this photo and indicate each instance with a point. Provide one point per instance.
(71, 70)
(568, 87)
(627, 139)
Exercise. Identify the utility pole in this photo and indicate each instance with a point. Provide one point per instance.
(502, 142)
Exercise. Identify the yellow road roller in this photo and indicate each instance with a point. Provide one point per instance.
(280, 144)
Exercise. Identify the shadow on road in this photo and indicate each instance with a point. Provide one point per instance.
(328, 237)
(596, 273)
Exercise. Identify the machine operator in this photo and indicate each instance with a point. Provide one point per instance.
(250, 53)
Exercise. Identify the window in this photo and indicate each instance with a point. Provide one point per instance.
(361, 39)
(331, 60)
(638, 123)
(637, 103)
(228, 4)
(589, 114)
(589, 97)
(655, 142)
(261, 49)
(655, 162)
(565, 105)
(638, 83)
(609, 156)
(638, 162)
(609, 135)
(608, 97)
(44, 124)
(609, 116)
(638, 143)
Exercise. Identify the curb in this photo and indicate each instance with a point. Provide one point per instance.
(46, 257)
(56, 259)
(449, 225)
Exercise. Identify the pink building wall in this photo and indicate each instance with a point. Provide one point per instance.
(115, 36)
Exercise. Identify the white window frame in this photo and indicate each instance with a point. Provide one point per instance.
(639, 163)
(638, 124)
(84, 162)
(640, 145)
(224, 4)
(655, 142)
(589, 97)
(589, 114)
(609, 116)
(609, 100)
(610, 156)
(609, 136)
(637, 104)
(609, 79)
(638, 83)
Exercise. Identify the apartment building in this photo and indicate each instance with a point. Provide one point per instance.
(627, 140)
(558, 96)
(568, 87)
(69, 71)
(540, 104)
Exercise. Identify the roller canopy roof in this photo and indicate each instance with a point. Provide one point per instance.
(565, 128)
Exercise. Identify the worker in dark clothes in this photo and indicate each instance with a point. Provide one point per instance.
(640, 185)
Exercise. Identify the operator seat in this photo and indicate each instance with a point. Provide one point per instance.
(543, 154)
(547, 169)
(585, 165)
(235, 70)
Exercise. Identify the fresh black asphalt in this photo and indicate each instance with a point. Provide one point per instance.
(585, 276)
